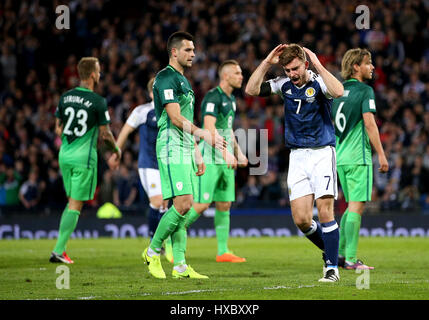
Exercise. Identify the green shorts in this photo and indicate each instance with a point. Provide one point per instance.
(79, 182)
(216, 184)
(356, 182)
(177, 179)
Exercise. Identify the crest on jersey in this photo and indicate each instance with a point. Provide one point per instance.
(179, 186)
(206, 196)
(310, 92)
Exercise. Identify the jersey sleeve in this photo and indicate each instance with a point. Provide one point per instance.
(210, 105)
(323, 87)
(167, 88)
(276, 85)
(368, 101)
(103, 117)
(137, 117)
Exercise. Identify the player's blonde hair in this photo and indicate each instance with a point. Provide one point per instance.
(352, 57)
(150, 85)
(86, 66)
(291, 52)
(226, 63)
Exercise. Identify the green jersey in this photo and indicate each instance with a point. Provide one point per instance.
(353, 146)
(171, 86)
(81, 112)
(218, 104)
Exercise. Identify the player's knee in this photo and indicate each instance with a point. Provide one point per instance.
(303, 223)
(184, 206)
(223, 206)
(201, 207)
(156, 202)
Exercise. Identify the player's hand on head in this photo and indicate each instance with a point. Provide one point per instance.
(273, 56)
(312, 56)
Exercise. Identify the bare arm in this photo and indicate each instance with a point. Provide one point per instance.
(254, 83)
(58, 127)
(210, 125)
(335, 87)
(242, 160)
(173, 111)
(374, 138)
(107, 136)
(123, 135)
(199, 161)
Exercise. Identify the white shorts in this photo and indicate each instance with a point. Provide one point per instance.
(151, 181)
(312, 171)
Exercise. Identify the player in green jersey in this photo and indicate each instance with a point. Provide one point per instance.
(355, 130)
(81, 116)
(218, 183)
(179, 158)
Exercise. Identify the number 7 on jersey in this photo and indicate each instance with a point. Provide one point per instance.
(299, 105)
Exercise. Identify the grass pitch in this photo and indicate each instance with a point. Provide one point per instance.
(276, 269)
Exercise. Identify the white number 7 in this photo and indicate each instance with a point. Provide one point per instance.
(299, 105)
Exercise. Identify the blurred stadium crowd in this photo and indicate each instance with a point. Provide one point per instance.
(38, 63)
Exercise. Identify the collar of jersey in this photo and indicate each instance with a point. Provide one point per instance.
(170, 66)
(310, 74)
(223, 92)
(83, 89)
(351, 79)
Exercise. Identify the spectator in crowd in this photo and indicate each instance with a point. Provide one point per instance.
(31, 191)
(126, 188)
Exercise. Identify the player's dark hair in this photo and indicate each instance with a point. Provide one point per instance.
(291, 52)
(226, 63)
(86, 66)
(352, 57)
(175, 40)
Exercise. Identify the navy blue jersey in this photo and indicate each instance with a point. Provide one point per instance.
(307, 112)
(143, 117)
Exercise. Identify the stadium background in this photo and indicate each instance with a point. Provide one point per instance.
(38, 63)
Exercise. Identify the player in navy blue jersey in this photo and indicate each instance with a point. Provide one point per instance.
(310, 135)
(143, 118)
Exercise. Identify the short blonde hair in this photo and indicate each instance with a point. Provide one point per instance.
(86, 66)
(291, 52)
(150, 85)
(227, 63)
(352, 57)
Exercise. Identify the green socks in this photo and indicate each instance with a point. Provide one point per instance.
(221, 221)
(68, 223)
(342, 245)
(167, 225)
(191, 217)
(178, 240)
(352, 235)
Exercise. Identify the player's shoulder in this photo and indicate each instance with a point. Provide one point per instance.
(167, 72)
(279, 82)
(315, 77)
(213, 93)
(144, 108)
